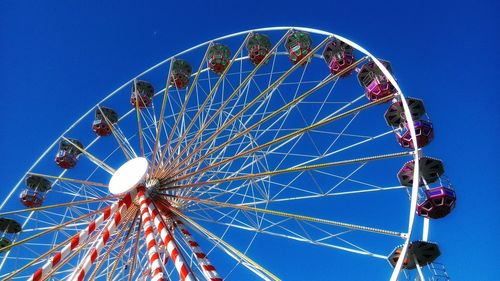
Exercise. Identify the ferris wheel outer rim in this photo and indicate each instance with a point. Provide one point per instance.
(416, 150)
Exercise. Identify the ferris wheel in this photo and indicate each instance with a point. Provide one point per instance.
(183, 173)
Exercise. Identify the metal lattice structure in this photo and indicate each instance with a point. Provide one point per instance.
(251, 136)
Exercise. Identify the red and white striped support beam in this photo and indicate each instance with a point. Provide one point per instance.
(79, 273)
(173, 252)
(79, 238)
(208, 269)
(162, 250)
(152, 248)
(163, 253)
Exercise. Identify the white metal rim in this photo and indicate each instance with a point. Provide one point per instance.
(416, 151)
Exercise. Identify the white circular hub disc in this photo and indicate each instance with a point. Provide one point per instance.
(128, 176)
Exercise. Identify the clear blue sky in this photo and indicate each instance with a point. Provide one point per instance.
(57, 58)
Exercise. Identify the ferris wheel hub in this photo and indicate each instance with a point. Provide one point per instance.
(152, 184)
(128, 176)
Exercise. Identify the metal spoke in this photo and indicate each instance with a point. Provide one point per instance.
(92, 158)
(115, 134)
(124, 243)
(295, 216)
(138, 114)
(296, 169)
(208, 98)
(38, 259)
(136, 248)
(69, 179)
(77, 250)
(288, 136)
(219, 110)
(273, 86)
(258, 269)
(129, 217)
(182, 110)
(263, 120)
(160, 120)
(59, 205)
(22, 241)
